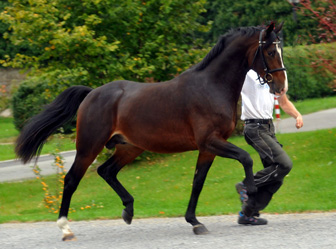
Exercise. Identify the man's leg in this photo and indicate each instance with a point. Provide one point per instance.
(265, 195)
(277, 165)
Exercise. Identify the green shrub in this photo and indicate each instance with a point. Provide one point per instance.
(30, 99)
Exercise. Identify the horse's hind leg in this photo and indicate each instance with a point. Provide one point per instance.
(71, 182)
(124, 154)
(204, 163)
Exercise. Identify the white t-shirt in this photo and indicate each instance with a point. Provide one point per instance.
(257, 101)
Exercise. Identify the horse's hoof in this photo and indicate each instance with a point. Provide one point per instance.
(200, 229)
(69, 237)
(127, 218)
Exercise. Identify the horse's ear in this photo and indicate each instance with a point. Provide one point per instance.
(269, 29)
(279, 27)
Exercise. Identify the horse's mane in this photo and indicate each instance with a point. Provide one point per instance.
(222, 44)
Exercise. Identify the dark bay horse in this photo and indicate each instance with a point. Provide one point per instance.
(194, 111)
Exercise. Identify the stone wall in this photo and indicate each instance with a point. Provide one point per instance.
(9, 80)
(10, 75)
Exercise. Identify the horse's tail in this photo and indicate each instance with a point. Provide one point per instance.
(40, 127)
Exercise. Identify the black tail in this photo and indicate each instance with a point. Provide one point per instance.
(40, 127)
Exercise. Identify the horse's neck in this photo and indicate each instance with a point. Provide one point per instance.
(232, 64)
(227, 75)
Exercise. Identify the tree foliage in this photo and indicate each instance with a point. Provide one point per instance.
(324, 12)
(96, 41)
(7, 47)
(228, 14)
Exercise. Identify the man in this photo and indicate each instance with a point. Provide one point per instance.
(257, 113)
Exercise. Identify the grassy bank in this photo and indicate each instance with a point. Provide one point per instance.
(313, 105)
(8, 134)
(161, 185)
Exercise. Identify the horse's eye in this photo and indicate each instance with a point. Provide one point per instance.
(272, 53)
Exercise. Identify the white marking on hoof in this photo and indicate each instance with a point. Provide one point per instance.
(63, 225)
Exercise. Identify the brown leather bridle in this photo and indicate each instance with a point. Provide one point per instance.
(268, 77)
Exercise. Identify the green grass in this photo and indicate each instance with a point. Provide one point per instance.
(7, 131)
(161, 185)
(55, 142)
(8, 134)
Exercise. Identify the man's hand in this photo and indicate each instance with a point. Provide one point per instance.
(299, 121)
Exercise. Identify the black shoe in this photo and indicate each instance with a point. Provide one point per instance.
(242, 191)
(244, 220)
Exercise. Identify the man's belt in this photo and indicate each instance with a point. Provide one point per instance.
(256, 121)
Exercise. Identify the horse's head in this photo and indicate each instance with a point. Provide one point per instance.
(267, 60)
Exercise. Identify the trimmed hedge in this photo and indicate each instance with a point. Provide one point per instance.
(307, 76)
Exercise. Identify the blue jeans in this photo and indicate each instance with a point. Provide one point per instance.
(275, 160)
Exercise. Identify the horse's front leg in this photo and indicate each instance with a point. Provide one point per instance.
(223, 148)
(203, 165)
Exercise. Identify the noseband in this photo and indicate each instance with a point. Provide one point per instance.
(268, 77)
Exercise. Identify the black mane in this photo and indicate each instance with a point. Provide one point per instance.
(221, 44)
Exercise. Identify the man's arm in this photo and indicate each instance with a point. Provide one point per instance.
(288, 107)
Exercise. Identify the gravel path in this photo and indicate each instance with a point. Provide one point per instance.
(315, 121)
(307, 231)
